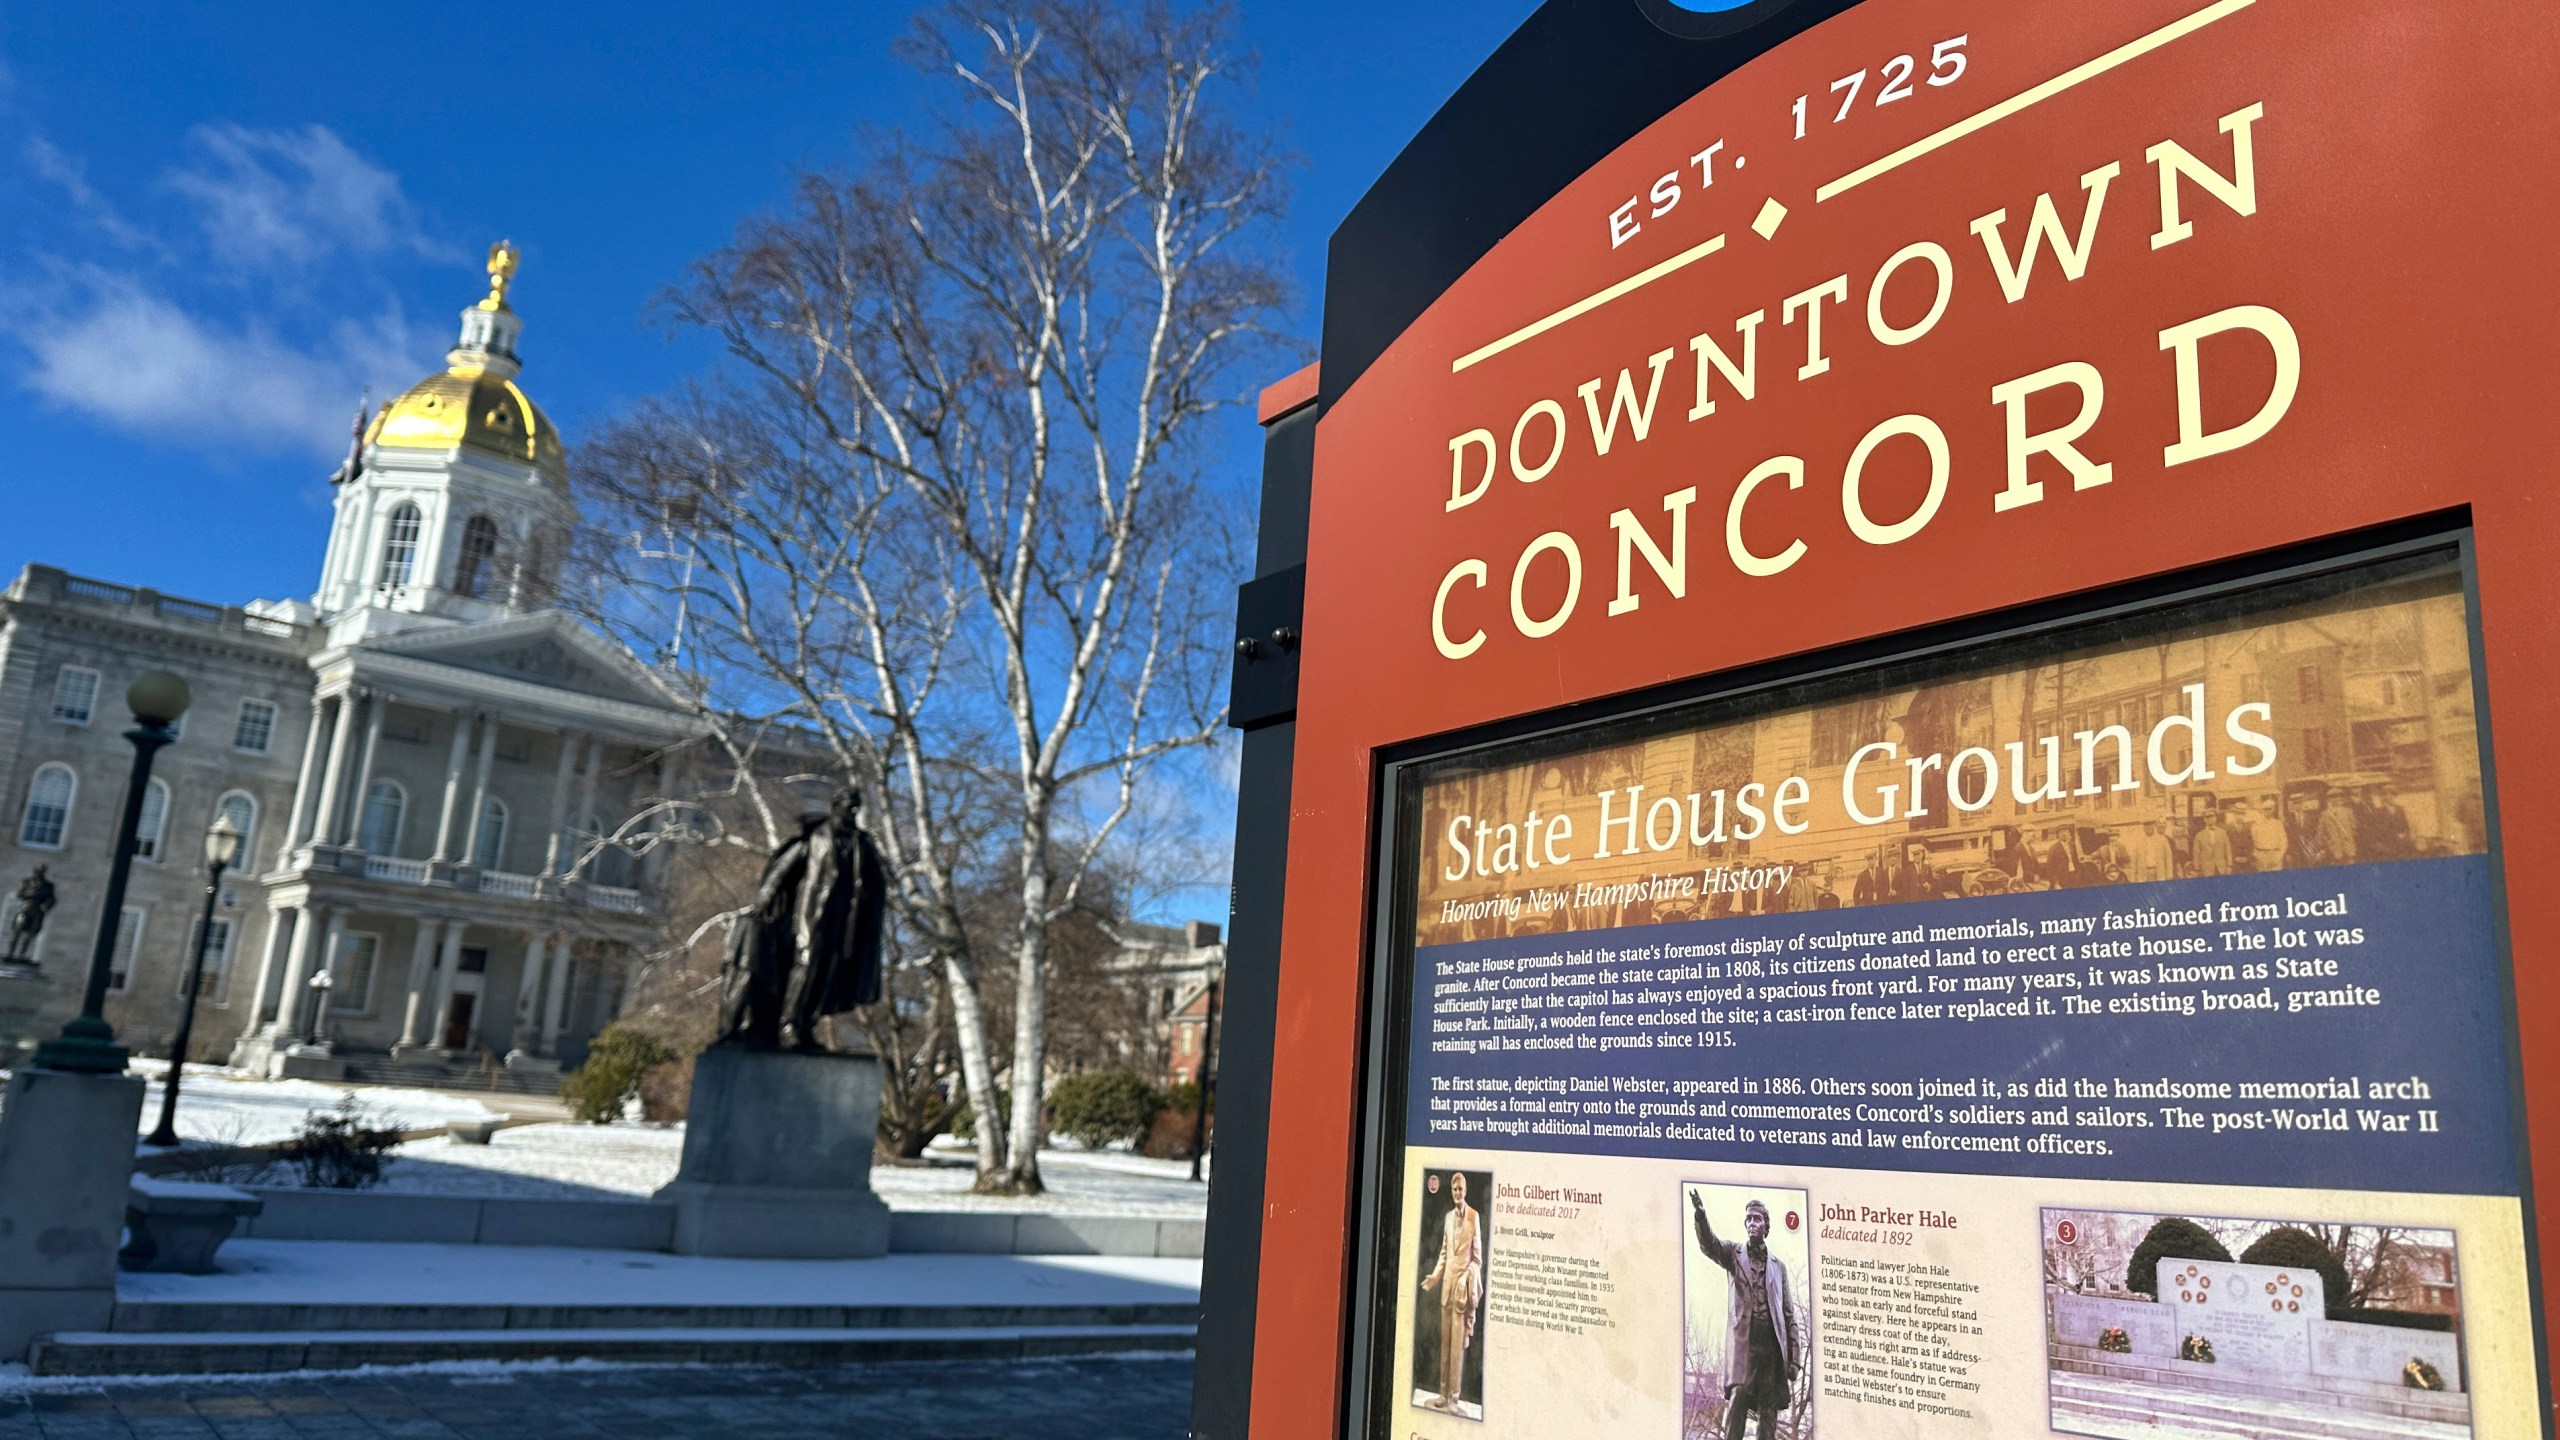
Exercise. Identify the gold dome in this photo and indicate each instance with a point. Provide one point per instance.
(469, 404)
(476, 401)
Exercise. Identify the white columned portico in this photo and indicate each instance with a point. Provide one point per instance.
(297, 972)
(422, 963)
(555, 997)
(459, 752)
(480, 784)
(522, 1039)
(375, 703)
(448, 968)
(279, 937)
(586, 801)
(314, 1008)
(569, 743)
(324, 818)
(297, 826)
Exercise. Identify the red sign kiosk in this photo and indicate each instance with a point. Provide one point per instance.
(1927, 639)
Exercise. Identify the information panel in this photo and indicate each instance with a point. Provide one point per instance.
(2108, 1034)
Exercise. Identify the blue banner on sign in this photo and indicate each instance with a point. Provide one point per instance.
(2339, 1028)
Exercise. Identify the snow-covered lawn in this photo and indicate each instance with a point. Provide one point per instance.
(571, 1161)
(561, 1160)
(225, 1107)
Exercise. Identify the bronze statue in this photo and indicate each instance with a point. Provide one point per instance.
(35, 902)
(810, 945)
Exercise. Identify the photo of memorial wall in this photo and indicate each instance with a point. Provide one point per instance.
(2176, 1326)
(1746, 1319)
(2245, 737)
(1456, 1243)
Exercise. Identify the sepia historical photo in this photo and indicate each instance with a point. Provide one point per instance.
(1746, 1313)
(2322, 731)
(2161, 1326)
(1448, 1330)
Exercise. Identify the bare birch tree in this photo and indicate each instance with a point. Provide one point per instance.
(942, 506)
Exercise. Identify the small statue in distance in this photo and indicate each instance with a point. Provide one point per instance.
(809, 946)
(35, 902)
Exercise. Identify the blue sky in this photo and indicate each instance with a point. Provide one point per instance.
(218, 222)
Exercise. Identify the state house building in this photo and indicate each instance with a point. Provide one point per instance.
(429, 760)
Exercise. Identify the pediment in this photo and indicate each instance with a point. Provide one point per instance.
(553, 650)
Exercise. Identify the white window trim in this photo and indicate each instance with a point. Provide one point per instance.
(160, 836)
(130, 933)
(97, 687)
(220, 998)
(372, 977)
(492, 806)
(248, 832)
(275, 713)
(399, 824)
(70, 807)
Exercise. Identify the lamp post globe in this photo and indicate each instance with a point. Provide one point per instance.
(221, 851)
(87, 1045)
(157, 697)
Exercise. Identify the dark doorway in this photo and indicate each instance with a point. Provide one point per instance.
(457, 1024)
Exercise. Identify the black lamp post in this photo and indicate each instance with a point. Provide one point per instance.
(221, 848)
(1208, 1082)
(88, 1043)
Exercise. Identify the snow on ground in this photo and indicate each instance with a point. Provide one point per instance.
(341, 1272)
(227, 1107)
(559, 1160)
(592, 1162)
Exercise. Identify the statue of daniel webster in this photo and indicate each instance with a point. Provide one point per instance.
(810, 945)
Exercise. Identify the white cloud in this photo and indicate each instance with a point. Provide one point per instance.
(139, 362)
(287, 198)
(49, 162)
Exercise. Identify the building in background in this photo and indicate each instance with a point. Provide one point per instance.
(430, 759)
(1173, 965)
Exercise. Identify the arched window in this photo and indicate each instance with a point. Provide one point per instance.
(385, 805)
(537, 575)
(148, 827)
(479, 562)
(399, 547)
(489, 842)
(48, 817)
(242, 810)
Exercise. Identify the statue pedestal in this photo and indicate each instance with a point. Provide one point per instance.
(777, 1157)
(23, 991)
(66, 1162)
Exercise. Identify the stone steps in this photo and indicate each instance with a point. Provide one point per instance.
(249, 1317)
(270, 1351)
(440, 1075)
(2121, 1407)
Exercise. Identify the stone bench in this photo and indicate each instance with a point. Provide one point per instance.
(476, 1132)
(178, 1225)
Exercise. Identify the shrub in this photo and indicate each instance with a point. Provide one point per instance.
(1184, 1096)
(1099, 1107)
(337, 1150)
(1169, 1134)
(2170, 1238)
(602, 1085)
(2289, 1247)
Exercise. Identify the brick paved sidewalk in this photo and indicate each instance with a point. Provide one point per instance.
(1098, 1399)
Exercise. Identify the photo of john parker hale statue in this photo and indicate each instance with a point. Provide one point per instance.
(1745, 1356)
(777, 1153)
